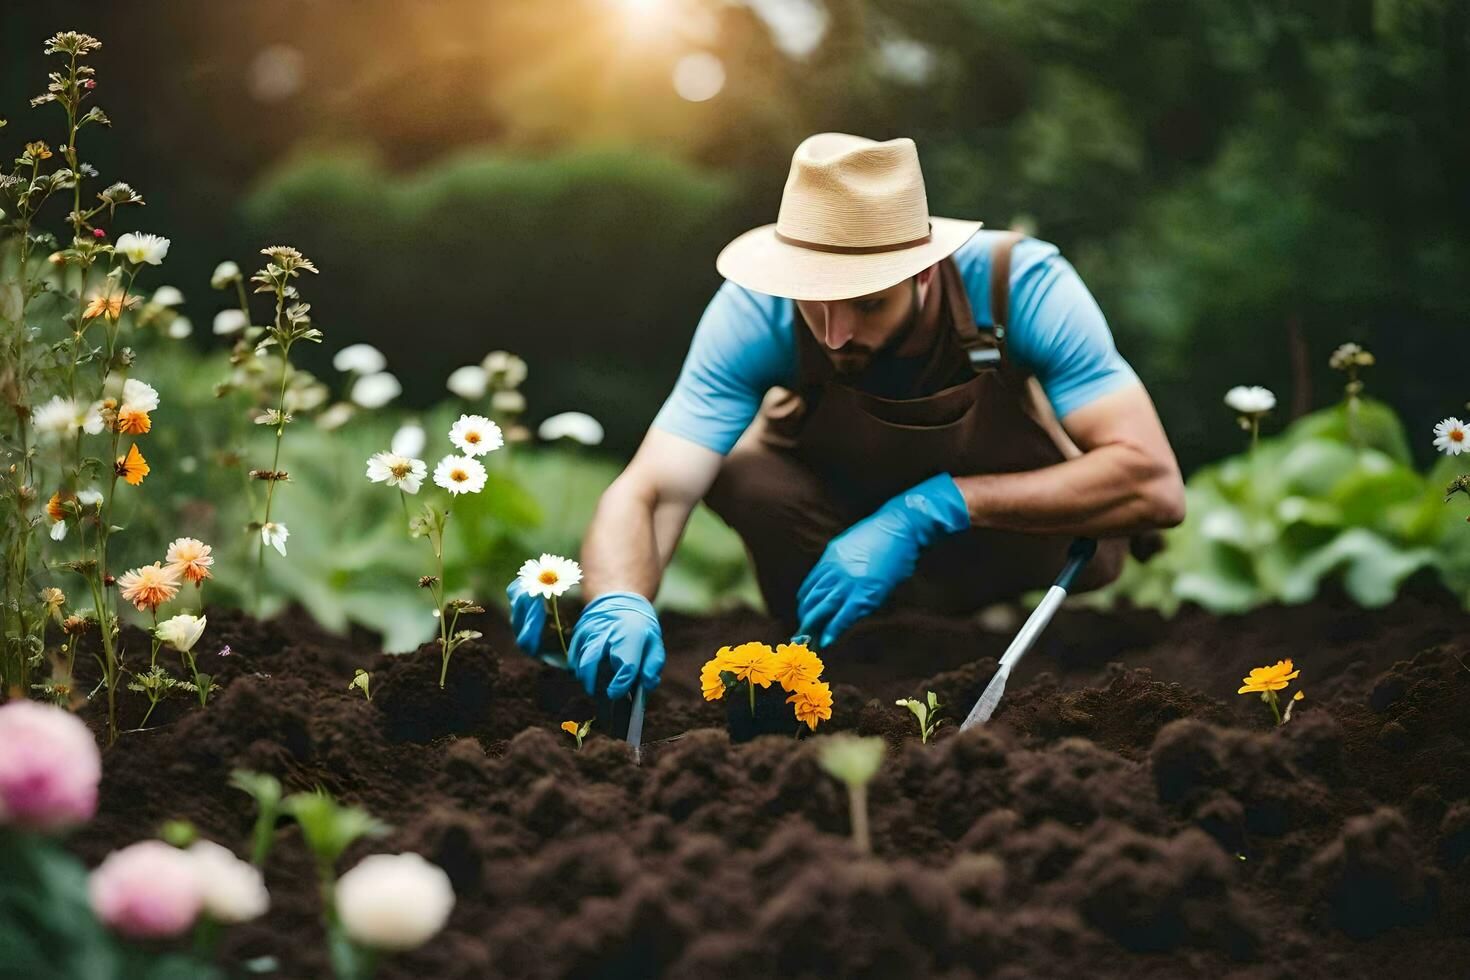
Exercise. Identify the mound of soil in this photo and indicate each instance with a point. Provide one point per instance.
(1124, 814)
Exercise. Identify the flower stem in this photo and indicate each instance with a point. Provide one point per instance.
(556, 614)
(857, 802)
(751, 685)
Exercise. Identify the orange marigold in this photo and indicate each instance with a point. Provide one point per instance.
(753, 662)
(148, 587)
(795, 665)
(132, 467)
(133, 422)
(813, 703)
(570, 727)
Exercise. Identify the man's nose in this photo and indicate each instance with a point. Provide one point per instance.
(837, 326)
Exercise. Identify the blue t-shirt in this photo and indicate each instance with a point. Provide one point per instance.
(745, 343)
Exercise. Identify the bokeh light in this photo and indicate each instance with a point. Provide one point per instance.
(698, 77)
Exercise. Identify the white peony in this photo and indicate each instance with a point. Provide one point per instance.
(359, 359)
(394, 901)
(468, 382)
(141, 248)
(231, 321)
(376, 390)
(397, 471)
(234, 890)
(182, 631)
(1252, 400)
(476, 435)
(576, 426)
(460, 474)
(409, 440)
(549, 575)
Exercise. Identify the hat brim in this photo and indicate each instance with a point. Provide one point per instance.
(758, 260)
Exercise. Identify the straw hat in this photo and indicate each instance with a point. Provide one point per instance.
(854, 220)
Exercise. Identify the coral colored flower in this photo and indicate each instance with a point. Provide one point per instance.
(49, 767)
(753, 662)
(56, 506)
(475, 435)
(549, 575)
(1451, 437)
(148, 587)
(147, 890)
(403, 472)
(110, 305)
(795, 666)
(132, 467)
(1263, 679)
(813, 703)
(191, 559)
(460, 474)
(394, 901)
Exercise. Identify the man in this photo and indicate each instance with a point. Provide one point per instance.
(885, 406)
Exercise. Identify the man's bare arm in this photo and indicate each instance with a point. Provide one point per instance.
(1127, 479)
(641, 516)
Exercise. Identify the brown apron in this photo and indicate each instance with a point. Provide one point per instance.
(824, 455)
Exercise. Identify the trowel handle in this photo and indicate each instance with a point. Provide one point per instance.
(1078, 555)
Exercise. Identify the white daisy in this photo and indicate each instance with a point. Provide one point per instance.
(224, 274)
(476, 435)
(138, 396)
(549, 575)
(504, 368)
(576, 426)
(468, 382)
(376, 390)
(1451, 437)
(460, 474)
(180, 327)
(55, 417)
(409, 440)
(227, 322)
(397, 471)
(140, 248)
(359, 359)
(275, 535)
(1252, 400)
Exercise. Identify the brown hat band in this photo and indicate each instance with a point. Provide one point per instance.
(853, 249)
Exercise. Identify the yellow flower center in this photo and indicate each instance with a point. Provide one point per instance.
(1457, 435)
(459, 476)
(547, 577)
(472, 437)
(399, 470)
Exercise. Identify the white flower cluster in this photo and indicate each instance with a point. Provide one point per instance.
(473, 435)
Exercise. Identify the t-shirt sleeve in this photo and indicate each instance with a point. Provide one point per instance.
(1057, 331)
(742, 347)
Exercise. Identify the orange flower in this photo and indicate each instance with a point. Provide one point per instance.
(133, 422)
(132, 467)
(795, 665)
(56, 506)
(1264, 679)
(148, 587)
(813, 703)
(570, 727)
(107, 304)
(190, 558)
(711, 684)
(752, 662)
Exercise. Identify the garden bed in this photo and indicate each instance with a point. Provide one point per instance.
(1136, 820)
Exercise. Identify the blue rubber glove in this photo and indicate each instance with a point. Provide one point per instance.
(621, 628)
(863, 564)
(527, 617)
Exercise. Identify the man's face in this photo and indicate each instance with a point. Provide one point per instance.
(853, 331)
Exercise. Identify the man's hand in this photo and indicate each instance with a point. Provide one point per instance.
(621, 628)
(863, 564)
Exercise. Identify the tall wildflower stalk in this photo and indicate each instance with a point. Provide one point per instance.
(291, 323)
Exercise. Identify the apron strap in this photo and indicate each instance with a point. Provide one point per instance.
(986, 348)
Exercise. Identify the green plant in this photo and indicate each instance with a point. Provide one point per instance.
(577, 731)
(926, 712)
(265, 790)
(854, 761)
(362, 681)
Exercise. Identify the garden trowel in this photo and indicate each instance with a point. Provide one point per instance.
(1077, 555)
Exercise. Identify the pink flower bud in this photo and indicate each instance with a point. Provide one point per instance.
(49, 767)
(98, 233)
(147, 890)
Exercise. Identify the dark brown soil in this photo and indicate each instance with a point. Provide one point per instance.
(1125, 814)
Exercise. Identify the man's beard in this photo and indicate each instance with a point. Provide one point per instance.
(851, 361)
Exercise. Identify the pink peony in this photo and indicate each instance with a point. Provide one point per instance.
(49, 767)
(147, 890)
